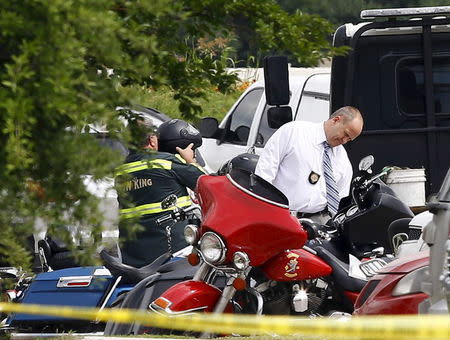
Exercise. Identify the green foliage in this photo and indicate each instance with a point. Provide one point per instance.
(56, 59)
(340, 12)
(267, 29)
(214, 103)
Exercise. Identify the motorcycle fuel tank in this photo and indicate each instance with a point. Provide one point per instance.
(296, 265)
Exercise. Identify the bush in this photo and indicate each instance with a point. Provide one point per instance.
(215, 104)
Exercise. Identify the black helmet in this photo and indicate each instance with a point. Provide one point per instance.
(244, 161)
(177, 132)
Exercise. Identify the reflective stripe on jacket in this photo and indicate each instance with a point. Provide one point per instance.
(142, 165)
(153, 208)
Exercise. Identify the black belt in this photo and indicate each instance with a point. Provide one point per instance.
(307, 215)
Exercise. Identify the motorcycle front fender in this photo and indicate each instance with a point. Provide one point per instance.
(187, 297)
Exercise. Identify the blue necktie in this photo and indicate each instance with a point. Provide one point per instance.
(332, 191)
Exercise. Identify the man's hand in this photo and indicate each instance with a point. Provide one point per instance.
(187, 153)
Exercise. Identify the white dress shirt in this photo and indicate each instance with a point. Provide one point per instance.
(290, 156)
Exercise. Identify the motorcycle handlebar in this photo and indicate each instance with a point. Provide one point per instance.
(190, 208)
(360, 186)
(371, 180)
(176, 215)
(164, 219)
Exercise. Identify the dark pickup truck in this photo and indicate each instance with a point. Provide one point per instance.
(398, 74)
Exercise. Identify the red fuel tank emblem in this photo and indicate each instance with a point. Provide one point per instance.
(292, 266)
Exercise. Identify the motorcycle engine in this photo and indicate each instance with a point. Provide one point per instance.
(278, 299)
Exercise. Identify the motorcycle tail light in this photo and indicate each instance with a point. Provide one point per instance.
(212, 248)
(191, 234)
(74, 281)
(241, 260)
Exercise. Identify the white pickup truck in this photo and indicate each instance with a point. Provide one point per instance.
(245, 126)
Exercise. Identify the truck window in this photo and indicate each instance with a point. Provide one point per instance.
(240, 121)
(391, 92)
(264, 131)
(410, 86)
(315, 99)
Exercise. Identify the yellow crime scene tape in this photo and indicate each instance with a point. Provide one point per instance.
(368, 327)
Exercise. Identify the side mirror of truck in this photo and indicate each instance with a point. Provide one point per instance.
(276, 83)
(209, 127)
(276, 80)
(278, 116)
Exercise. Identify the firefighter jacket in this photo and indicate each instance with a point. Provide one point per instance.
(147, 177)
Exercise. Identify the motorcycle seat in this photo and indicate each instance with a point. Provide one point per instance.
(131, 274)
(333, 246)
(57, 254)
(340, 271)
(177, 269)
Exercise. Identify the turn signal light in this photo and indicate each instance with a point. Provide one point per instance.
(239, 284)
(161, 302)
(193, 259)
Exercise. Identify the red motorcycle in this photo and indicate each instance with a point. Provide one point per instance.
(255, 257)
(396, 288)
(418, 283)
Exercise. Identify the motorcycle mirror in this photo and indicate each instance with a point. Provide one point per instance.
(169, 201)
(366, 163)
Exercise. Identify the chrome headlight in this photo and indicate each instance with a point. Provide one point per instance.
(411, 283)
(241, 260)
(212, 248)
(191, 234)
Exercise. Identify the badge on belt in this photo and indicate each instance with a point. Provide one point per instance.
(313, 177)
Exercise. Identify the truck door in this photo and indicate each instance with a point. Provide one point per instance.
(235, 131)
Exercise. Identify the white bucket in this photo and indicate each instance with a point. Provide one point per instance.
(408, 185)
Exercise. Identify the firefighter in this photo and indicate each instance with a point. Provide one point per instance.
(161, 164)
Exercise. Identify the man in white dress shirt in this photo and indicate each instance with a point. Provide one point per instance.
(292, 160)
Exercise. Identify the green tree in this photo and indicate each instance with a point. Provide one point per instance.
(336, 11)
(263, 28)
(55, 63)
(340, 12)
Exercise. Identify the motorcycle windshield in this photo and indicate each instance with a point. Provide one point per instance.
(249, 214)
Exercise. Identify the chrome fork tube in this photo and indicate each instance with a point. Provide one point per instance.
(227, 295)
(202, 272)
